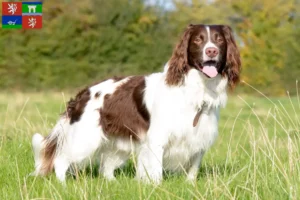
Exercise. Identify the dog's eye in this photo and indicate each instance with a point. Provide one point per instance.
(220, 39)
(198, 40)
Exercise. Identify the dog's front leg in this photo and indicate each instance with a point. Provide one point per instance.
(149, 166)
(194, 167)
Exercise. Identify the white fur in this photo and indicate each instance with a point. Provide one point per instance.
(208, 45)
(171, 143)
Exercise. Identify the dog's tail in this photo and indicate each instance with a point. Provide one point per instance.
(45, 149)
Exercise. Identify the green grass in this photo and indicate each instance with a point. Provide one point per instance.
(256, 155)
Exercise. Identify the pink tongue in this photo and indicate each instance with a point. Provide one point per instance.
(210, 71)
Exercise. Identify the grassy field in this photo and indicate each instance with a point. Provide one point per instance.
(256, 155)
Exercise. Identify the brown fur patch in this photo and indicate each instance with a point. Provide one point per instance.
(76, 106)
(178, 64)
(233, 60)
(123, 113)
(48, 154)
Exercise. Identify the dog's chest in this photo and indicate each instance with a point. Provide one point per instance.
(185, 141)
(172, 115)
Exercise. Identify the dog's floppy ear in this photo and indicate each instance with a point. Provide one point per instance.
(233, 60)
(178, 63)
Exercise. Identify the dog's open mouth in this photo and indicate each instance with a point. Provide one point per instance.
(209, 68)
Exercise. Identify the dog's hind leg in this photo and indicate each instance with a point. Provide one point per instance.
(110, 162)
(61, 165)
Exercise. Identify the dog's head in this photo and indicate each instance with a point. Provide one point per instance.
(210, 49)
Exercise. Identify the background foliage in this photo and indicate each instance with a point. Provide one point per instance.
(87, 40)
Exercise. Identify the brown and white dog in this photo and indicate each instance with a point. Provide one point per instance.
(169, 119)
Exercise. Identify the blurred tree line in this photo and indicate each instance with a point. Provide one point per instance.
(87, 40)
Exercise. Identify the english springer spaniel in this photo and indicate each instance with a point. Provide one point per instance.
(167, 119)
